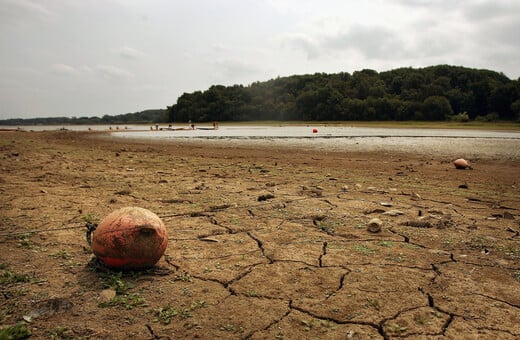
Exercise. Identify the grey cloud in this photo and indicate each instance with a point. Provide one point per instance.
(64, 69)
(372, 41)
(23, 7)
(303, 42)
(235, 69)
(430, 3)
(490, 10)
(128, 52)
(113, 72)
(20, 12)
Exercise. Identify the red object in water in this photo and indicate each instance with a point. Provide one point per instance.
(314, 130)
(130, 238)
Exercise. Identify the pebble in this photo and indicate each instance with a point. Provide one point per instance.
(107, 294)
(394, 212)
(374, 225)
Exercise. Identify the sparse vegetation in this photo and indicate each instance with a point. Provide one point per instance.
(128, 301)
(363, 249)
(7, 276)
(18, 331)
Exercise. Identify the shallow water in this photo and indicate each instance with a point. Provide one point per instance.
(259, 132)
(435, 142)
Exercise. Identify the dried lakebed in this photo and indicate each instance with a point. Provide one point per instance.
(265, 242)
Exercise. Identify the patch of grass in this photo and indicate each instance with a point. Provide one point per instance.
(232, 328)
(24, 241)
(128, 301)
(411, 246)
(115, 281)
(365, 250)
(8, 277)
(17, 331)
(373, 303)
(61, 333)
(397, 329)
(307, 324)
(61, 254)
(185, 277)
(397, 258)
(165, 315)
(89, 218)
(335, 245)
(386, 244)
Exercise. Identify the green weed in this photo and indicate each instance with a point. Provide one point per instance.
(365, 250)
(374, 303)
(115, 281)
(7, 276)
(398, 329)
(166, 314)
(61, 333)
(61, 254)
(128, 301)
(89, 218)
(25, 242)
(18, 331)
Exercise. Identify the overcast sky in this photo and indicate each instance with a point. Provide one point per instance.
(97, 57)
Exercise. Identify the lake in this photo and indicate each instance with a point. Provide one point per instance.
(450, 142)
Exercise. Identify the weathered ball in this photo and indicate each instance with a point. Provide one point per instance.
(130, 238)
(461, 163)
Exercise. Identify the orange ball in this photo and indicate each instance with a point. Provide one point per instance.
(130, 238)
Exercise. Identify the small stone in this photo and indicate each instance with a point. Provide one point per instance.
(394, 212)
(386, 204)
(208, 239)
(508, 215)
(265, 197)
(374, 225)
(344, 188)
(107, 295)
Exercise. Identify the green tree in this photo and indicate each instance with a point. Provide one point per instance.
(436, 108)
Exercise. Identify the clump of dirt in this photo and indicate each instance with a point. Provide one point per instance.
(264, 242)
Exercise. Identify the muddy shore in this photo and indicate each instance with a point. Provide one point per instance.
(265, 241)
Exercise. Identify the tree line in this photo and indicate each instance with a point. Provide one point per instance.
(142, 117)
(433, 93)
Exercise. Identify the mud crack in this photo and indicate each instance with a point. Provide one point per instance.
(261, 246)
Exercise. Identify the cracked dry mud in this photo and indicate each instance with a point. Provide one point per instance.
(264, 243)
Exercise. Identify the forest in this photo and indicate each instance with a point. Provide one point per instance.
(435, 93)
(142, 117)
